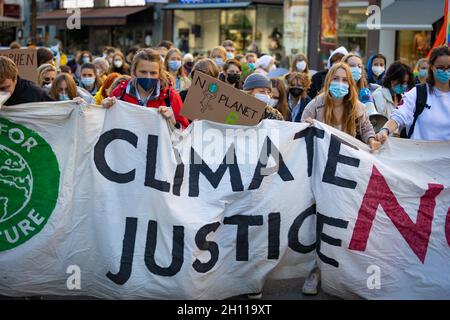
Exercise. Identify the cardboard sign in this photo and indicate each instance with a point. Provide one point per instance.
(26, 62)
(211, 99)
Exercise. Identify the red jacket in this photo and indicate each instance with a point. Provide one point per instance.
(175, 100)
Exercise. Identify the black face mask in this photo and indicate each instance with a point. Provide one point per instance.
(296, 92)
(233, 78)
(188, 64)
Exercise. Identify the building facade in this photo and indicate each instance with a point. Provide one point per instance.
(199, 25)
(119, 23)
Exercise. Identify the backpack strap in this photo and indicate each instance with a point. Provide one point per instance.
(421, 104)
(167, 100)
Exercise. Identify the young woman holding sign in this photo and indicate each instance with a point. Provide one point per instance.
(150, 87)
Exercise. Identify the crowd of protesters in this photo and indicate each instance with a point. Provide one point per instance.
(415, 103)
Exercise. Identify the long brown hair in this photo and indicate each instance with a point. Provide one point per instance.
(282, 104)
(297, 58)
(151, 56)
(125, 68)
(362, 83)
(181, 72)
(350, 102)
(71, 86)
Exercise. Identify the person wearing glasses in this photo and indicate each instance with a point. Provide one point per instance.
(433, 123)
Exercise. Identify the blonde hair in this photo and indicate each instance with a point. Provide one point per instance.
(42, 69)
(8, 69)
(151, 56)
(222, 52)
(362, 83)
(351, 112)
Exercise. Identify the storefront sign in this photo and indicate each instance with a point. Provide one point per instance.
(329, 22)
(205, 1)
(211, 99)
(25, 60)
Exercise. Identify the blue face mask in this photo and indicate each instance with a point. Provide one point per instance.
(442, 76)
(63, 97)
(86, 60)
(87, 81)
(356, 73)
(400, 88)
(423, 73)
(230, 55)
(219, 61)
(148, 84)
(338, 90)
(174, 65)
(251, 65)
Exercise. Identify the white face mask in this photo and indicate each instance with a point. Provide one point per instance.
(301, 66)
(263, 97)
(377, 70)
(118, 63)
(4, 96)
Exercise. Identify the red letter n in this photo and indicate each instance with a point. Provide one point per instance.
(378, 193)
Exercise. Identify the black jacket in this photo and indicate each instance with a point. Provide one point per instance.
(26, 92)
(318, 80)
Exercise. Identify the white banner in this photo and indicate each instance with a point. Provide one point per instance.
(112, 204)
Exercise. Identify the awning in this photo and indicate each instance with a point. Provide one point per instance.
(111, 16)
(7, 22)
(219, 5)
(410, 15)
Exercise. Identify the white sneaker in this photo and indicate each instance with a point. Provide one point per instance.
(311, 284)
(254, 296)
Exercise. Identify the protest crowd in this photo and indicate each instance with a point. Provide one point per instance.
(346, 95)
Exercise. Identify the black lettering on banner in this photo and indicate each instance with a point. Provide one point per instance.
(309, 134)
(243, 223)
(126, 261)
(329, 175)
(177, 251)
(195, 168)
(179, 174)
(150, 172)
(211, 246)
(335, 222)
(283, 171)
(99, 154)
(293, 241)
(274, 235)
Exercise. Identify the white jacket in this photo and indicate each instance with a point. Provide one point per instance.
(383, 101)
(433, 123)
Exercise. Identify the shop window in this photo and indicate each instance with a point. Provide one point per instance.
(196, 31)
(354, 39)
(269, 30)
(412, 46)
(237, 25)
